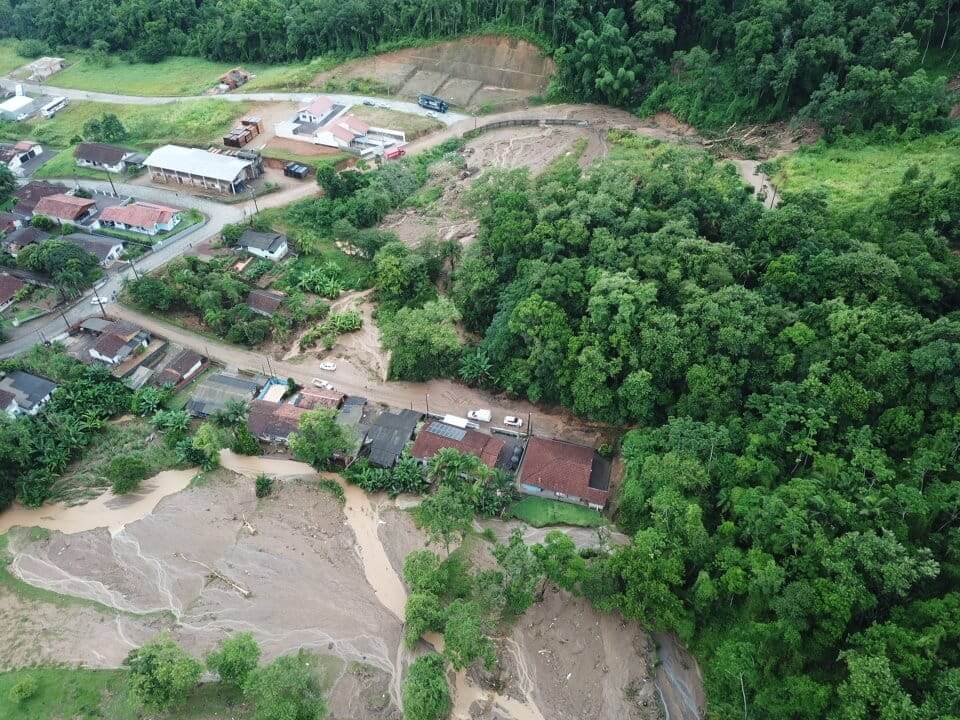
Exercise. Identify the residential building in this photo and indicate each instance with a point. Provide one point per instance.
(16, 156)
(17, 240)
(118, 342)
(22, 393)
(184, 366)
(269, 245)
(317, 112)
(221, 172)
(389, 434)
(311, 398)
(106, 249)
(273, 422)
(140, 217)
(264, 302)
(216, 390)
(66, 208)
(564, 471)
(27, 197)
(352, 418)
(436, 435)
(9, 287)
(18, 108)
(9, 223)
(100, 156)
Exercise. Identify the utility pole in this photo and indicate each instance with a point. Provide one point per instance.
(65, 321)
(103, 312)
(110, 179)
(427, 398)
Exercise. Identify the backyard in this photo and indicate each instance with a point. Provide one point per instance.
(539, 512)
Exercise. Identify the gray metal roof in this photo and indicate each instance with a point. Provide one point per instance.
(268, 241)
(28, 389)
(389, 434)
(197, 162)
(217, 390)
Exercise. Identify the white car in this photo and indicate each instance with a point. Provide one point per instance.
(328, 366)
(322, 384)
(479, 415)
(513, 421)
(95, 301)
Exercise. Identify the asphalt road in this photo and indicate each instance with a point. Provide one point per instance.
(448, 118)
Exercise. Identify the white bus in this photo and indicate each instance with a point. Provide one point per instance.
(53, 107)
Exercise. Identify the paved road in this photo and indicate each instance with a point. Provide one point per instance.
(448, 118)
(217, 214)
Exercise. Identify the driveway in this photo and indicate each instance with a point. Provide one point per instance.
(448, 118)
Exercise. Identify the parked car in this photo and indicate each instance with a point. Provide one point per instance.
(513, 421)
(328, 366)
(322, 384)
(368, 101)
(479, 415)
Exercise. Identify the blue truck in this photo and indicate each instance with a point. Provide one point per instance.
(432, 103)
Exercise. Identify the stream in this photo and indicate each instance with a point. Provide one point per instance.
(363, 518)
(113, 512)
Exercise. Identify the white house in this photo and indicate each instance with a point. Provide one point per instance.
(269, 245)
(106, 249)
(24, 394)
(100, 156)
(116, 346)
(317, 112)
(139, 217)
(16, 156)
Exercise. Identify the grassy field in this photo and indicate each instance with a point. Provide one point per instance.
(173, 76)
(854, 173)
(81, 694)
(413, 125)
(197, 122)
(9, 60)
(540, 512)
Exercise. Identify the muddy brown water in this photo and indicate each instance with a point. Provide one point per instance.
(363, 517)
(113, 512)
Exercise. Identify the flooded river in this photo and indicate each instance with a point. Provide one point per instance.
(113, 512)
(363, 518)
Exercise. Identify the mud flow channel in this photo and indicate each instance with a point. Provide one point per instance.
(363, 518)
(113, 512)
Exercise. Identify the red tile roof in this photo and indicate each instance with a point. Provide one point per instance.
(560, 467)
(268, 420)
(139, 214)
(30, 194)
(8, 287)
(65, 207)
(311, 398)
(109, 345)
(319, 107)
(8, 222)
(428, 442)
(264, 301)
(352, 122)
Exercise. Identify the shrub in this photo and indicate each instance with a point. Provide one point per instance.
(235, 659)
(32, 48)
(161, 673)
(126, 472)
(426, 694)
(244, 443)
(263, 485)
(23, 690)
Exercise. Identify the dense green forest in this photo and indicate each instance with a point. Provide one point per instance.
(845, 63)
(792, 480)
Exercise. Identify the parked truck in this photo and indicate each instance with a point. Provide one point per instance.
(432, 102)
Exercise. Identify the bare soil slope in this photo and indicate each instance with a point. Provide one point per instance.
(485, 70)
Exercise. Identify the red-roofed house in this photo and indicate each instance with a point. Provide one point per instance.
(9, 286)
(65, 207)
(273, 422)
(564, 471)
(313, 398)
(140, 217)
(437, 435)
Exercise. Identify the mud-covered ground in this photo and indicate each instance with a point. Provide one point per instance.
(300, 570)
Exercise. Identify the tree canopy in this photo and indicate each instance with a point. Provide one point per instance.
(842, 62)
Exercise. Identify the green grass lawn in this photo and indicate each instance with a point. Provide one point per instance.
(81, 694)
(187, 219)
(540, 512)
(9, 60)
(854, 173)
(172, 76)
(196, 123)
(413, 125)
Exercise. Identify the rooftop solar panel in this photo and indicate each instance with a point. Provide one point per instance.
(447, 431)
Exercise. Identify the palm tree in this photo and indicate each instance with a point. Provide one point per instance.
(234, 413)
